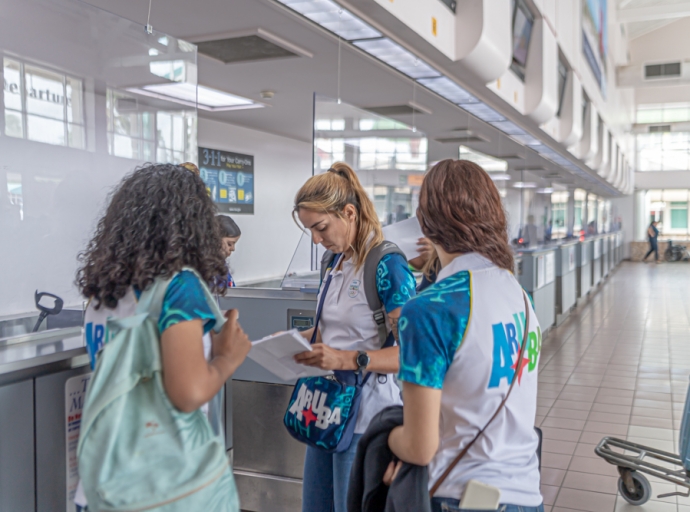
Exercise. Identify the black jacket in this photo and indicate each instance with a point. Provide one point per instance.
(409, 492)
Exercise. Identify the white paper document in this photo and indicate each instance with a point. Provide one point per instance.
(276, 353)
(405, 235)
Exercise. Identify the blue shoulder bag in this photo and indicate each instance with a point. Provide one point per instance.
(323, 410)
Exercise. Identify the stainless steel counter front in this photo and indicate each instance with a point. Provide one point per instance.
(33, 371)
(267, 462)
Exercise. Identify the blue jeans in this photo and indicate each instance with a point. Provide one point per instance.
(451, 505)
(326, 478)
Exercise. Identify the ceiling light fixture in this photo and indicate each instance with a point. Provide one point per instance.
(499, 176)
(397, 57)
(199, 96)
(524, 184)
(545, 190)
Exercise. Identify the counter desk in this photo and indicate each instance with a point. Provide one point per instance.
(34, 451)
(268, 462)
(566, 279)
(538, 277)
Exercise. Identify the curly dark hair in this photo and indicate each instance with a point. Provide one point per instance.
(160, 219)
(460, 209)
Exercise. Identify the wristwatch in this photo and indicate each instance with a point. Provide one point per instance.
(362, 360)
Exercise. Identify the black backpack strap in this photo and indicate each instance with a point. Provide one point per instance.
(326, 261)
(371, 265)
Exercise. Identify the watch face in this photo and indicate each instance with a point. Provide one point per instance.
(362, 359)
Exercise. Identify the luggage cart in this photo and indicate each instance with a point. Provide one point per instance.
(635, 459)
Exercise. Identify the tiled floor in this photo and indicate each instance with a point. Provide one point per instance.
(618, 365)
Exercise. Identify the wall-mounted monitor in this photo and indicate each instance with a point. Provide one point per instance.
(562, 82)
(523, 23)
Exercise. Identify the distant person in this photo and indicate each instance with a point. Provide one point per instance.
(399, 215)
(548, 231)
(231, 234)
(652, 236)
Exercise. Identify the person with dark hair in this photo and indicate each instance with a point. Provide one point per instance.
(160, 221)
(231, 234)
(652, 237)
(469, 350)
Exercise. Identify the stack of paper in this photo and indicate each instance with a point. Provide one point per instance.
(276, 353)
(405, 235)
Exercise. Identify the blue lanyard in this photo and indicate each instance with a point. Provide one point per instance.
(326, 285)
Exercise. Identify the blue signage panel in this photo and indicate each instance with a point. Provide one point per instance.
(229, 179)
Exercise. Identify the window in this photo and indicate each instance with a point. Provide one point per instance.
(523, 21)
(670, 208)
(663, 113)
(663, 151)
(43, 105)
(140, 132)
(559, 215)
(679, 215)
(562, 82)
(580, 196)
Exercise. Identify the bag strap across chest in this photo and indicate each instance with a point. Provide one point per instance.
(371, 265)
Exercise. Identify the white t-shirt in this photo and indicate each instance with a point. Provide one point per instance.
(347, 323)
(463, 335)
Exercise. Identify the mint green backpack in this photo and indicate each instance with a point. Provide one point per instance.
(136, 450)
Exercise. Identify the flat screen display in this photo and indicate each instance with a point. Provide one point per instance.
(523, 21)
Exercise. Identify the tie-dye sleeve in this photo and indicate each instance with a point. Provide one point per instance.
(184, 301)
(394, 282)
(432, 327)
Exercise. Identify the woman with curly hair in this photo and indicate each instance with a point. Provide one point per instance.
(160, 219)
(470, 388)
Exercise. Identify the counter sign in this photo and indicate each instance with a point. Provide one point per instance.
(229, 179)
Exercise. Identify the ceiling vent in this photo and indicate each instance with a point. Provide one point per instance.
(247, 46)
(660, 128)
(668, 70)
(126, 105)
(399, 110)
(468, 136)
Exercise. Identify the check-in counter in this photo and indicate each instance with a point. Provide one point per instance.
(539, 279)
(583, 268)
(605, 261)
(34, 446)
(566, 279)
(268, 463)
(595, 257)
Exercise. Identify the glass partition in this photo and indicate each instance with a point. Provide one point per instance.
(592, 213)
(77, 114)
(559, 215)
(390, 157)
(579, 223)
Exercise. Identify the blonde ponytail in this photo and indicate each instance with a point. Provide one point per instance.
(330, 192)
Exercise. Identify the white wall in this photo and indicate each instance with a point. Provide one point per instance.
(281, 166)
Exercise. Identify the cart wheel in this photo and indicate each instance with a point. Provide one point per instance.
(643, 490)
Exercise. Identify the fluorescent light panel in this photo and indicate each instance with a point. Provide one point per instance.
(333, 17)
(446, 88)
(397, 57)
(524, 184)
(483, 112)
(199, 96)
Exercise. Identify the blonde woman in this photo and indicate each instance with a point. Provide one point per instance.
(340, 216)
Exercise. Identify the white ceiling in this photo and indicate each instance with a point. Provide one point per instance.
(364, 81)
